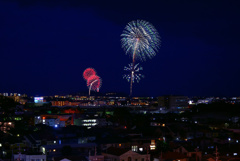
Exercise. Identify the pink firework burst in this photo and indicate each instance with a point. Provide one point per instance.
(94, 83)
(88, 72)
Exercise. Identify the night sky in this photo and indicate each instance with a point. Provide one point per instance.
(45, 45)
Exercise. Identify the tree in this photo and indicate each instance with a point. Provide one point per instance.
(161, 146)
(66, 150)
(7, 104)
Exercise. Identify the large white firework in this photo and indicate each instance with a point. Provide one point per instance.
(140, 40)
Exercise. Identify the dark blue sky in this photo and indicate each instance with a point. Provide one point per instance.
(46, 45)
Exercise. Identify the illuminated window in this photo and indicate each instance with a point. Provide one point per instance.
(153, 142)
(43, 150)
(152, 147)
(134, 148)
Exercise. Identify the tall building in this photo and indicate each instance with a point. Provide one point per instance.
(173, 102)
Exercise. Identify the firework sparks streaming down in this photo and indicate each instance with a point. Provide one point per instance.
(140, 40)
(134, 71)
(94, 82)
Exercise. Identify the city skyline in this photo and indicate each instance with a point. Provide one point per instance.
(45, 47)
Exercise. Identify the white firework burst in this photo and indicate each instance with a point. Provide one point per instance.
(134, 71)
(140, 40)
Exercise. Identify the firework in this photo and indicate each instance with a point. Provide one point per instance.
(134, 72)
(88, 72)
(94, 83)
(140, 40)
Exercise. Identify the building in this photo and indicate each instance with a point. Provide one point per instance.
(6, 125)
(96, 158)
(172, 156)
(120, 154)
(54, 120)
(189, 152)
(173, 102)
(30, 157)
(77, 149)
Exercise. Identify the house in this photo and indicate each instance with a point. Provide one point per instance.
(120, 154)
(189, 152)
(96, 158)
(30, 157)
(77, 149)
(70, 158)
(172, 156)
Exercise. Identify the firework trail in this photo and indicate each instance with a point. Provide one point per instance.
(94, 82)
(134, 72)
(140, 40)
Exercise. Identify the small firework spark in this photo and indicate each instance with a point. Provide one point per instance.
(134, 72)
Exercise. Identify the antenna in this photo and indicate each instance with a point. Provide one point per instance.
(216, 153)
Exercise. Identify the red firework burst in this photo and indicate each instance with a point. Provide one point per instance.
(94, 82)
(88, 72)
